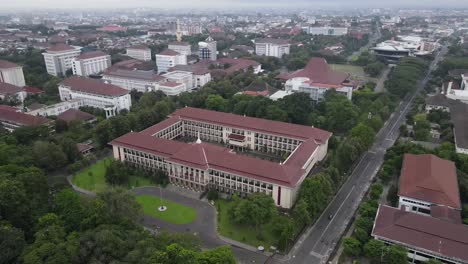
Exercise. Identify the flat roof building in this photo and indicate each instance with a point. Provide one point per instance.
(139, 52)
(272, 47)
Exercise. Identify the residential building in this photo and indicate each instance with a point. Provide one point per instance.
(139, 52)
(90, 63)
(327, 31)
(58, 58)
(272, 47)
(207, 49)
(57, 109)
(183, 48)
(11, 73)
(96, 93)
(201, 166)
(10, 119)
(10, 92)
(427, 181)
(169, 58)
(317, 78)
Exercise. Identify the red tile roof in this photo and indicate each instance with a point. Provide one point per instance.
(429, 178)
(60, 47)
(8, 108)
(75, 114)
(83, 147)
(169, 52)
(6, 88)
(22, 119)
(32, 90)
(425, 233)
(318, 71)
(237, 64)
(91, 54)
(446, 213)
(7, 64)
(252, 123)
(93, 86)
(170, 84)
(161, 125)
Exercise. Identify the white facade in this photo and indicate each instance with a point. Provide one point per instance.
(172, 90)
(139, 53)
(13, 76)
(58, 62)
(184, 49)
(315, 91)
(199, 80)
(272, 49)
(90, 66)
(328, 31)
(414, 205)
(164, 62)
(181, 77)
(57, 109)
(133, 82)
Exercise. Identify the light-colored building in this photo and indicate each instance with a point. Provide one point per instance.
(11, 73)
(58, 108)
(201, 75)
(139, 52)
(200, 166)
(11, 119)
(180, 77)
(327, 31)
(458, 91)
(58, 58)
(172, 88)
(90, 63)
(272, 47)
(10, 92)
(316, 79)
(207, 50)
(183, 48)
(169, 58)
(141, 81)
(96, 93)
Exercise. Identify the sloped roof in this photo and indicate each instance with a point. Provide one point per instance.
(272, 40)
(6, 88)
(75, 115)
(169, 52)
(429, 178)
(22, 119)
(422, 232)
(93, 86)
(7, 64)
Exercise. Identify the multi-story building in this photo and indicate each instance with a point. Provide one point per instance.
(96, 93)
(317, 78)
(201, 75)
(90, 63)
(139, 52)
(58, 58)
(11, 119)
(200, 166)
(13, 93)
(207, 50)
(11, 73)
(58, 108)
(183, 48)
(327, 31)
(141, 81)
(272, 47)
(183, 77)
(169, 58)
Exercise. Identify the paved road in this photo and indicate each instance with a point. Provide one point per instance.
(371, 43)
(318, 241)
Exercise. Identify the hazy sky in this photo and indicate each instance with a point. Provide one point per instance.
(4, 4)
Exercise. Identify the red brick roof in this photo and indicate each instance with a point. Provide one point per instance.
(22, 119)
(60, 47)
(161, 125)
(429, 178)
(170, 84)
(252, 123)
(75, 114)
(318, 71)
(91, 54)
(93, 86)
(6, 88)
(8, 108)
(425, 233)
(169, 52)
(32, 90)
(7, 64)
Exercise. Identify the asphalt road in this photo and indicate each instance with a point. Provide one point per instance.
(318, 241)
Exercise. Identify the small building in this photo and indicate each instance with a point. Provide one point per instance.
(183, 77)
(11, 73)
(85, 148)
(139, 52)
(182, 48)
(72, 115)
(54, 109)
(10, 92)
(207, 50)
(10, 119)
(272, 47)
(90, 63)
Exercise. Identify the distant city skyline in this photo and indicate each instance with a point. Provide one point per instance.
(219, 4)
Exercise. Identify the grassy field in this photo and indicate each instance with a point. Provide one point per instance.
(93, 178)
(176, 213)
(351, 69)
(244, 234)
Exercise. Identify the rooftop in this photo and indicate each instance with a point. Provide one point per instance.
(6, 88)
(91, 54)
(169, 52)
(75, 115)
(7, 64)
(60, 47)
(429, 178)
(93, 86)
(272, 40)
(22, 119)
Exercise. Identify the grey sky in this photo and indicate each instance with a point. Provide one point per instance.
(226, 3)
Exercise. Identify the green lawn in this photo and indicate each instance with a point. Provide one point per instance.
(176, 213)
(351, 69)
(244, 234)
(96, 182)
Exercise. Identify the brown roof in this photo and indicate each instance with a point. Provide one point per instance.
(318, 71)
(252, 123)
(32, 90)
(93, 86)
(60, 47)
(237, 64)
(7, 64)
(170, 84)
(425, 233)
(75, 114)
(429, 178)
(161, 125)
(83, 147)
(91, 54)
(196, 69)
(446, 213)
(6, 88)
(169, 52)
(22, 119)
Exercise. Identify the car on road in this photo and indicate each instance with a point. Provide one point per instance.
(330, 217)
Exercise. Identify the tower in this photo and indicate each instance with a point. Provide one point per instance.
(178, 32)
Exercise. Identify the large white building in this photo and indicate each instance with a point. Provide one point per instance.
(96, 93)
(139, 52)
(141, 81)
(90, 63)
(183, 48)
(169, 58)
(272, 47)
(58, 58)
(201, 166)
(201, 75)
(58, 108)
(327, 31)
(11, 73)
(316, 79)
(183, 77)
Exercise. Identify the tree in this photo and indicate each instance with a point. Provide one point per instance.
(351, 247)
(69, 208)
(256, 210)
(361, 235)
(396, 255)
(300, 213)
(70, 149)
(392, 195)
(365, 224)
(48, 155)
(368, 209)
(286, 236)
(117, 173)
(11, 243)
(60, 126)
(217, 255)
(375, 191)
(374, 250)
(216, 102)
(364, 134)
